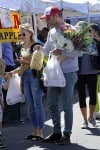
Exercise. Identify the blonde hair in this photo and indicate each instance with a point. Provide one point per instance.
(28, 27)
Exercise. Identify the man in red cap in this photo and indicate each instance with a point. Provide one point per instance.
(49, 12)
(69, 66)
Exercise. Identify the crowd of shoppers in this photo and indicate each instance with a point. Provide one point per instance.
(74, 71)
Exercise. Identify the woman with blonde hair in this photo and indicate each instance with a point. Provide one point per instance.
(30, 80)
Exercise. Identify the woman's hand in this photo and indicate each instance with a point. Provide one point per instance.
(20, 60)
(9, 74)
(37, 47)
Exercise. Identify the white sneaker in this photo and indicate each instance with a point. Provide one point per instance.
(84, 125)
(97, 115)
(92, 121)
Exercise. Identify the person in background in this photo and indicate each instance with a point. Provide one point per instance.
(52, 16)
(1, 104)
(1, 110)
(2, 82)
(41, 39)
(42, 36)
(87, 81)
(30, 80)
(95, 32)
(68, 21)
(11, 113)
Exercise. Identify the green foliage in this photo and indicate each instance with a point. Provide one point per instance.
(45, 60)
(79, 38)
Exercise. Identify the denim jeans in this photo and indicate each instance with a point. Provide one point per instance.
(65, 94)
(33, 95)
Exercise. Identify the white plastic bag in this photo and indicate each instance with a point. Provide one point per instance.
(52, 73)
(14, 94)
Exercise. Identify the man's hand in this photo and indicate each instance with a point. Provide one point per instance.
(57, 52)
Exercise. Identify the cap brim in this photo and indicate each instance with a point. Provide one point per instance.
(43, 17)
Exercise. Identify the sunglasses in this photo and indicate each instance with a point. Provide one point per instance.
(22, 34)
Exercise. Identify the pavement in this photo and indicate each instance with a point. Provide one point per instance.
(81, 139)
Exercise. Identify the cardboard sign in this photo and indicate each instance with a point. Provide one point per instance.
(11, 34)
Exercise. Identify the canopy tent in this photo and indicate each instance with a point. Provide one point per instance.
(83, 6)
(31, 6)
(72, 7)
(38, 6)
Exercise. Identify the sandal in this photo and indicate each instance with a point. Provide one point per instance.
(29, 137)
(37, 138)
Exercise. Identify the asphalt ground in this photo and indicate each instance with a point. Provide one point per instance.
(81, 139)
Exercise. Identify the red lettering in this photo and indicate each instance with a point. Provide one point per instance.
(0, 25)
(16, 21)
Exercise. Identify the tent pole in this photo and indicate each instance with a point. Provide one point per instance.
(88, 17)
(34, 25)
(61, 6)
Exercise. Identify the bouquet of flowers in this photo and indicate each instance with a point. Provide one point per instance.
(71, 39)
(80, 38)
(62, 42)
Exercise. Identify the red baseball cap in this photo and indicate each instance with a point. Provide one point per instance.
(50, 11)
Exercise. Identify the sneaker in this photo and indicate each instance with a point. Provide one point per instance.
(92, 121)
(37, 138)
(2, 145)
(53, 138)
(97, 115)
(29, 137)
(84, 125)
(65, 139)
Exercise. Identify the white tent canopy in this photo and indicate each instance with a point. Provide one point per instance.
(38, 6)
(83, 6)
(73, 7)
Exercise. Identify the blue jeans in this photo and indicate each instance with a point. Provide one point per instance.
(65, 94)
(33, 95)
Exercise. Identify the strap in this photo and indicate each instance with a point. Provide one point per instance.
(32, 46)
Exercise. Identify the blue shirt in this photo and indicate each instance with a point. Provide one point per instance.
(7, 54)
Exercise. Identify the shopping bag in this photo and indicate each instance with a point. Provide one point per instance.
(52, 73)
(14, 94)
